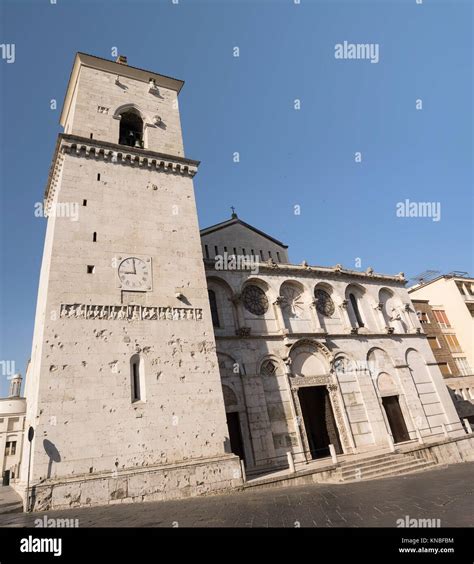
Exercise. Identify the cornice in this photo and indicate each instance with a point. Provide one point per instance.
(82, 147)
(330, 272)
(319, 337)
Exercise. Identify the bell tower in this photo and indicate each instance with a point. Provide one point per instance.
(124, 390)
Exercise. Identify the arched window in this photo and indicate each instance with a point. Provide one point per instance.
(214, 311)
(355, 309)
(131, 129)
(137, 378)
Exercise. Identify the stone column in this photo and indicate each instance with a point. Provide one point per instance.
(453, 423)
(315, 317)
(373, 406)
(260, 428)
(412, 327)
(116, 127)
(380, 316)
(345, 316)
(297, 417)
(412, 400)
(342, 422)
(236, 300)
(279, 315)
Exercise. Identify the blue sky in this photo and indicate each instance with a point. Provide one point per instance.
(288, 157)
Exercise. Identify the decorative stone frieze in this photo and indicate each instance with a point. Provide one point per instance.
(129, 312)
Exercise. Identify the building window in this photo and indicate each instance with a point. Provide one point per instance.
(434, 343)
(225, 249)
(355, 309)
(90, 269)
(463, 366)
(10, 448)
(216, 250)
(94, 237)
(214, 311)
(235, 251)
(443, 366)
(131, 129)
(137, 377)
(441, 318)
(261, 255)
(423, 317)
(453, 343)
(254, 299)
(269, 254)
(269, 368)
(84, 202)
(206, 248)
(98, 176)
(243, 251)
(278, 257)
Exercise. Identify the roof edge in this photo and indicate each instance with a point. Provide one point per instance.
(237, 221)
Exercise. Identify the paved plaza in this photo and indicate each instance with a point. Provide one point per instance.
(444, 494)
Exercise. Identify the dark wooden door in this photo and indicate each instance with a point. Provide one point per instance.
(395, 419)
(6, 478)
(235, 434)
(319, 422)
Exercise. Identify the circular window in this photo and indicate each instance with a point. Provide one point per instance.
(255, 300)
(324, 303)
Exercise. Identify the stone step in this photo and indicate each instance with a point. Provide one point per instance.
(394, 470)
(380, 464)
(363, 463)
(371, 459)
(402, 471)
(384, 464)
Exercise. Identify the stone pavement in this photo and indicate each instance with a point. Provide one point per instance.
(10, 501)
(444, 494)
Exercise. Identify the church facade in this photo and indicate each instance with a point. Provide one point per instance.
(316, 356)
(158, 374)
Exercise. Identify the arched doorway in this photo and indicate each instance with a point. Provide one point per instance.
(315, 397)
(233, 423)
(319, 421)
(389, 394)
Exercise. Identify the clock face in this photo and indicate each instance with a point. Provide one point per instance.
(134, 274)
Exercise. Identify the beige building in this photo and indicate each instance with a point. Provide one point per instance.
(12, 425)
(451, 297)
(448, 319)
(315, 356)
